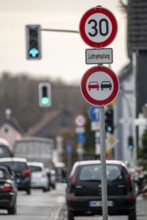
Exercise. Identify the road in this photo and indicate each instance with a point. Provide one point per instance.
(38, 205)
(51, 206)
(141, 213)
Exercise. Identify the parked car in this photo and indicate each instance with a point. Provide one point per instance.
(51, 173)
(21, 171)
(8, 191)
(39, 178)
(84, 190)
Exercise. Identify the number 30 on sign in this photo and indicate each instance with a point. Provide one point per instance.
(98, 27)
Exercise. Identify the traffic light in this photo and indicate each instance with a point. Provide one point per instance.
(109, 124)
(45, 94)
(33, 41)
(130, 143)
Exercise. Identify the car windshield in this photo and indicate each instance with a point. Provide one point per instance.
(15, 165)
(105, 82)
(93, 173)
(93, 83)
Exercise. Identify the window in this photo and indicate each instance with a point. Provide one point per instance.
(2, 175)
(93, 172)
(90, 172)
(35, 168)
(114, 173)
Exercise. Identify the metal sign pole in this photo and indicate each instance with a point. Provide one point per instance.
(69, 158)
(103, 164)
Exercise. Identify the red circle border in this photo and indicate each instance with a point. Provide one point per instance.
(84, 19)
(85, 77)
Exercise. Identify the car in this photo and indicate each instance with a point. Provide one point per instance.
(106, 85)
(21, 171)
(8, 191)
(39, 178)
(51, 173)
(93, 85)
(84, 190)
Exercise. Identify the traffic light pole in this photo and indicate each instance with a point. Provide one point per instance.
(60, 30)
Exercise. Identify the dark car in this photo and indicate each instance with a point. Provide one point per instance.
(8, 191)
(84, 190)
(51, 173)
(106, 85)
(21, 170)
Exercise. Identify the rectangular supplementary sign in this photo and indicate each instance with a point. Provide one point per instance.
(99, 56)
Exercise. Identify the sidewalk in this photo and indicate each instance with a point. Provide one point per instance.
(141, 205)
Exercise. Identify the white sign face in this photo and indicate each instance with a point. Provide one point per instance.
(80, 130)
(99, 86)
(98, 22)
(99, 56)
(95, 126)
(80, 120)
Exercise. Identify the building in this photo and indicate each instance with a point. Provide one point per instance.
(10, 129)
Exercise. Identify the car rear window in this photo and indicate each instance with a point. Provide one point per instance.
(2, 174)
(93, 172)
(15, 165)
(35, 168)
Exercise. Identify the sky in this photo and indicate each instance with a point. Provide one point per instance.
(63, 54)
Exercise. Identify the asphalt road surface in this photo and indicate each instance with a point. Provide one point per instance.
(38, 205)
(51, 206)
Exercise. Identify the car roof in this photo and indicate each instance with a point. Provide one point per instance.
(11, 159)
(36, 164)
(89, 162)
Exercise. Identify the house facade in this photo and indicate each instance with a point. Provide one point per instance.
(10, 130)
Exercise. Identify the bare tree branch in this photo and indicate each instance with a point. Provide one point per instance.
(123, 5)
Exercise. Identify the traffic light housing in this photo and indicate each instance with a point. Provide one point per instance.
(130, 143)
(109, 124)
(33, 41)
(45, 94)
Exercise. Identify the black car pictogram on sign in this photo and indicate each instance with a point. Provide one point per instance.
(106, 85)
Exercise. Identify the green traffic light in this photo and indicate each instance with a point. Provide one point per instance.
(45, 101)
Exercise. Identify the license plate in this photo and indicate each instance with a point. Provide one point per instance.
(99, 203)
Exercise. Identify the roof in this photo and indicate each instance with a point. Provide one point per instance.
(39, 164)
(15, 159)
(49, 122)
(85, 162)
(43, 122)
(4, 142)
(34, 139)
(13, 123)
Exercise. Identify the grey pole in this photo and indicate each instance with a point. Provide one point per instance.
(60, 30)
(103, 164)
(69, 161)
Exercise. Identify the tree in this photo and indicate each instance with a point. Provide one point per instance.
(142, 151)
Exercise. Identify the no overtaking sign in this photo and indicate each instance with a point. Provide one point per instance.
(99, 85)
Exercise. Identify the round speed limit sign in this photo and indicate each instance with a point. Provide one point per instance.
(98, 27)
